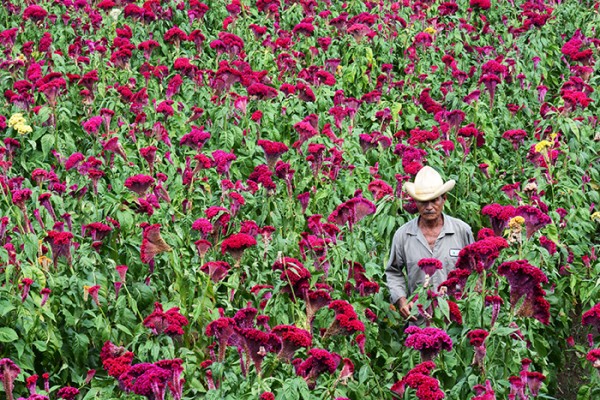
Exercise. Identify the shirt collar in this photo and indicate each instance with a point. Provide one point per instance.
(447, 229)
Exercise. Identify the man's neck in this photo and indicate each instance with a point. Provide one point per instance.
(431, 225)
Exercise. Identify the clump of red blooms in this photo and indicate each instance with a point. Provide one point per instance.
(419, 379)
(525, 282)
(346, 320)
(319, 361)
(236, 244)
(428, 341)
(169, 322)
(592, 317)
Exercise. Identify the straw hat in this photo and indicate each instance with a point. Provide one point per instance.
(428, 185)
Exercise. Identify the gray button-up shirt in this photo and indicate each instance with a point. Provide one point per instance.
(409, 246)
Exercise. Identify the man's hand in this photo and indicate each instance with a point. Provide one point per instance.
(404, 307)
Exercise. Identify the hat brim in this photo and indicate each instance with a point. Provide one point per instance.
(430, 195)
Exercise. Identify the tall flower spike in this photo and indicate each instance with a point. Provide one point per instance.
(8, 373)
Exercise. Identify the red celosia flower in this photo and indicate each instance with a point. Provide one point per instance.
(480, 255)
(170, 322)
(67, 393)
(428, 341)
(236, 244)
(60, 242)
(8, 373)
(592, 317)
(499, 216)
(273, 150)
(318, 362)
(593, 356)
(476, 339)
(535, 219)
(295, 275)
(216, 270)
(351, 211)
(152, 244)
(429, 265)
(139, 183)
(418, 378)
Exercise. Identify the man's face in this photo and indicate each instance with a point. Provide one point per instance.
(431, 210)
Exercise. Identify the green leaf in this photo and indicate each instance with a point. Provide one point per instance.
(5, 307)
(47, 143)
(8, 335)
(444, 307)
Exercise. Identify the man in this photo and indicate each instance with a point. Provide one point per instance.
(431, 235)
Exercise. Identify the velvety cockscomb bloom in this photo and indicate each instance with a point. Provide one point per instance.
(169, 322)
(515, 136)
(223, 329)
(152, 244)
(273, 150)
(499, 216)
(35, 13)
(116, 360)
(456, 282)
(593, 356)
(195, 139)
(351, 212)
(363, 284)
(426, 387)
(525, 281)
(380, 189)
(222, 161)
(496, 302)
(480, 255)
(292, 338)
(203, 226)
(346, 320)
(67, 393)
(295, 275)
(476, 339)
(236, 244)
(216, 270)
(548, 244)
(428, 341)
(97, 230)
(592, 317)
(429, 265)
(535, 219)
(60, 242)
(257, 344)
(9, 371)
(319, 361)
(139, 183)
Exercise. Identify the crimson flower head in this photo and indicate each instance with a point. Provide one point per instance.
(273, 150)
(593, 356)
(139, 183)
(499, 216)
(236, 244)
(152, 244)
(60, 242)
(419, 378)
(295, 275)
(428, 341)
(429, 265)
(216, 270)
(346, 320)
(351, 212)
(592, 317)
(9, 371)
(292, 338)
(67, 393)
(169, 322)
(319, 361)
(535, 219)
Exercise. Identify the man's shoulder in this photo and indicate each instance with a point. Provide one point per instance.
(458, 223)
(408, 226)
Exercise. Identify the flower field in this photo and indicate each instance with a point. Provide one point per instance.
(198, 199)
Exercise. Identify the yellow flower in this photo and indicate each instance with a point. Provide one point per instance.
(86, 292)
(338, 70)
(16, 119)
(543, 146)
(516, 222)
(45, 262)
(596, 216)
(430, 30)
(23, 129)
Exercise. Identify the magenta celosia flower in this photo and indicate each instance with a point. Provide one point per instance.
(60, 242)
(92, 125)
(428, 341)
(548, 244)
(257, 344)
(272, 150)
(152, 244)
(592, 317)
(351, 212)
(222, 329)
(35, 13)
(515, 136)
(363, 285)
(476, 339)
(146, 380)
(419, 379)
(496, 302)
(534, 381)
(380, 189)
(122, 271)
(593, 356)
(203, 226)
(346, 320)
(292, 339)
(45, 292)
(223, 161)
(315, 300)
(67, 393)
(139, 183)
(216, 270)
(535, 219)
(429, 265)
(295, 276)
(31, 383)
(27, 282)
(236, 244)
(96, 230)
(525, 281)
(169, 322)
(499, 216)
(93, 291)
(318, 362)
(8, 373)
(480, 255)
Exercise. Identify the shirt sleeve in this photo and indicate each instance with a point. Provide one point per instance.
(394, 271)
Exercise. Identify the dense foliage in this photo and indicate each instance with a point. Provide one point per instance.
(198, 199)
